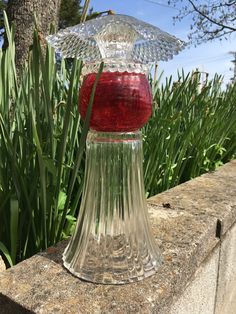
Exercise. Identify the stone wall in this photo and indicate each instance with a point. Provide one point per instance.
(194, 226)
(213, 287)
(226, 284)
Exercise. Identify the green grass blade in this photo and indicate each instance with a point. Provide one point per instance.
(14, 218)
(80, 152)
(6, 253)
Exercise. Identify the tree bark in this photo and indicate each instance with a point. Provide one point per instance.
(21, 15)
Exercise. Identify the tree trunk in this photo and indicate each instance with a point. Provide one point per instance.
(21, 15)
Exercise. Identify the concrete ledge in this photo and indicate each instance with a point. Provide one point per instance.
(188, 222)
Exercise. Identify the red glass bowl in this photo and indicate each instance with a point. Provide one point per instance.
(122, 102)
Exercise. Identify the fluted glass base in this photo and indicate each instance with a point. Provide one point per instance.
(112, 243)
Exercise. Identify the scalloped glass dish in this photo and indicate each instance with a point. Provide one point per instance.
(116, 37)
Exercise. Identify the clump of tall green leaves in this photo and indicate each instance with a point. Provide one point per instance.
(192, 131)
(41, 150)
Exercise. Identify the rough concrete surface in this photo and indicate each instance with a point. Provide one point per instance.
(226, 291)
(199, 295)
(211, 194)
(184, 221)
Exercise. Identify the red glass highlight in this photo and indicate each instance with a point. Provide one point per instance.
(122, 102)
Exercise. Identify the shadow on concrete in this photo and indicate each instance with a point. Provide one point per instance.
(8, 306)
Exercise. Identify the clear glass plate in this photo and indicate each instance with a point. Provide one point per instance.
(116, 37)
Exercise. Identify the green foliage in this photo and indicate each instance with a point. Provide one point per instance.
(41, 150)
(42, 144)
(191, 131)
(71, 12)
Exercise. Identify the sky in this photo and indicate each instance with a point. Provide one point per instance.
(212, 57)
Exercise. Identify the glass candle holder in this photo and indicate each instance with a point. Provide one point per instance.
(122, 102)
(113, 242)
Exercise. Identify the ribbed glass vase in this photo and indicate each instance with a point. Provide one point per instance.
(113, 243)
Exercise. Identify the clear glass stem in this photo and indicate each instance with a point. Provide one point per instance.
(112, 242)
